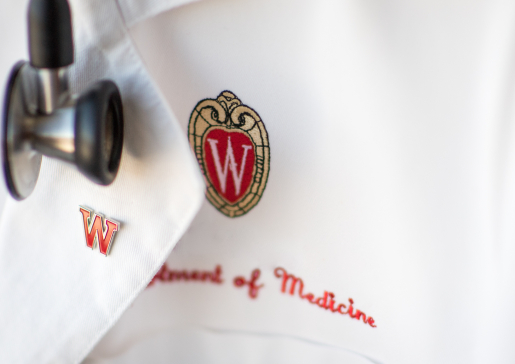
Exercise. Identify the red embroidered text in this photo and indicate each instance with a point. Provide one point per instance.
(169, 275)
(253, 288)
(326, 301)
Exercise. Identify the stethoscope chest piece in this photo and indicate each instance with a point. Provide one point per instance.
(21, 163)
(41, 116)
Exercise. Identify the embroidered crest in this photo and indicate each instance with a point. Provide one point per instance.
(231, 145)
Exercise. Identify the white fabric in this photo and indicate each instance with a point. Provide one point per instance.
(392, 175)
(391, 182)
(136, 11)
(57, 298)
(187, 345)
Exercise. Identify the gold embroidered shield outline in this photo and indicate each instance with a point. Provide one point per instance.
(231, 144)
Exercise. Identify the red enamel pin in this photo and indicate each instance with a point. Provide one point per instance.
(231, 145)
(98, 229)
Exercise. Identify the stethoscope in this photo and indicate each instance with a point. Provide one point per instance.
(42, 117)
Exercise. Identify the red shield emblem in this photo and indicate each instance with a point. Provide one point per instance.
(231, 144)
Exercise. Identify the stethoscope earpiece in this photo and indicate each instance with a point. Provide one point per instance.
(41, 117)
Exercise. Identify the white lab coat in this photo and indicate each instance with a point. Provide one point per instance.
(391, 184)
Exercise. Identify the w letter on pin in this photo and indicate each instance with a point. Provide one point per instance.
(98, 229)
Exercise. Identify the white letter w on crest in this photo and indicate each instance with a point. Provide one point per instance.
(229, 164)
